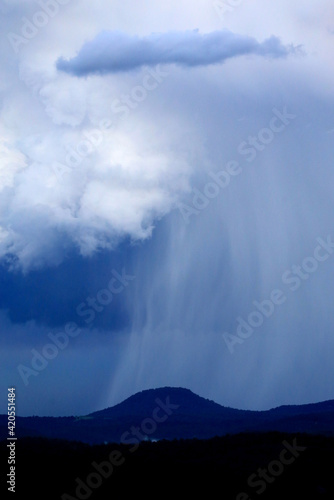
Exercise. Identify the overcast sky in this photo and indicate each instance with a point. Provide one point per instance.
(166, 185)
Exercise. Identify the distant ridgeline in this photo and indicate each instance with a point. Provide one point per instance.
(173, 413)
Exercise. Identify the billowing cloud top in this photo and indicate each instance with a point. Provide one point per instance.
(113, 51)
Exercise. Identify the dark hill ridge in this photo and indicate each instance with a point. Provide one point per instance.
(312, 408)
(188, 416)
(142, 403)
(190, 403)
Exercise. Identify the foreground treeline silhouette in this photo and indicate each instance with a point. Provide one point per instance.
(243, 467)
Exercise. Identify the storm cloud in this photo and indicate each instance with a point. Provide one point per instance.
(93, 172)
(112, 52)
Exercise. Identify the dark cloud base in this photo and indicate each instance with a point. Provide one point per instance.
(50, 296)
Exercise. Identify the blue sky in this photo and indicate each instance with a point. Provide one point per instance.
(166, 206)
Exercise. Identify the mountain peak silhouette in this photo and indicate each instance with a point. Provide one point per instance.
(188, 416)
(142, 404)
